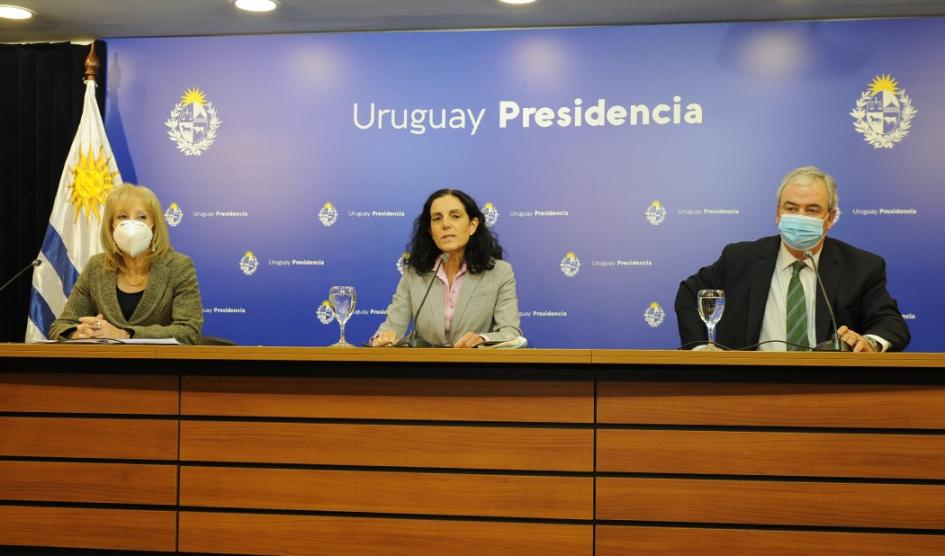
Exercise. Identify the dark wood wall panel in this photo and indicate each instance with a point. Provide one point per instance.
(88, 528)
(674, 541)
(519, 448)
(354, 536)
(802, 405)
(88, 393)
(421, 398)
(895, 456)
(151, 439)
(906, 506)
(467, 452)
(110, 483)
(389, 492)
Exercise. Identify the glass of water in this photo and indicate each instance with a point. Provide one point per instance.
(342, 300)
(711, 307)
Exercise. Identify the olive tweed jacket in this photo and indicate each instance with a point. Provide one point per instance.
(169, 308)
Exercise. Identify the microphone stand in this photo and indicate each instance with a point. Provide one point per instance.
(33, 264)
(835, 344)
(411, 339)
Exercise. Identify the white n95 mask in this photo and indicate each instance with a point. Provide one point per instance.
(132, 236)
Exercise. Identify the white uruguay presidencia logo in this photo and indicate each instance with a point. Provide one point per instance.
(401, 261)
(654, 314)
(193, 123)
(328, 215)
(249, 263)
(324, 313)
(883, 113)
(655, 213)
(570, 265)
(491, 214)
(173, 215)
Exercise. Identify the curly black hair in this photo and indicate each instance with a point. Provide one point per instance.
(481, 252)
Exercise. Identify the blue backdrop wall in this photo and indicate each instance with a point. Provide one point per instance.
(612, 162)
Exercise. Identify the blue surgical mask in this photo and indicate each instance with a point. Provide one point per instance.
(801, 232)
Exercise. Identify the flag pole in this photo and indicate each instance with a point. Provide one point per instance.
(72, 238)
(91, 63)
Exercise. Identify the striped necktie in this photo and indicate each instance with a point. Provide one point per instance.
(796, 311)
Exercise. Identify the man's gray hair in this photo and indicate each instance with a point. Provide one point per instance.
(804, 175)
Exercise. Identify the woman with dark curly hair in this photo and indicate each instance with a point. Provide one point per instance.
(472, 299)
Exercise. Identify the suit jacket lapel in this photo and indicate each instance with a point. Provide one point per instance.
(470, 283)
(759, 287)
(829, 268)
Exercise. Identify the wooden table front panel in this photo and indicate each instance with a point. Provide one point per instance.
(388, 492)
(89, 482)
(818, 504)
(350, 458)
(694, 541)
(73, 442)
(89, 393)
(425, 398)
(405, 465)
(357, 536)
(772, 453)
(88, 527)
(775, 405)
(859, 458)
(89, 437)
(389, 445)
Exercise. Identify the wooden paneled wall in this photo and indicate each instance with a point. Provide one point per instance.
(333, 460)
(387, 465)
(755, 468)
(351, 452)
(89, 460)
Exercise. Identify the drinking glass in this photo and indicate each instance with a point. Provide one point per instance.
(342, 300)
(711, 307)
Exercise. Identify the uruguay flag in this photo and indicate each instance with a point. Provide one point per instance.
(90, 173)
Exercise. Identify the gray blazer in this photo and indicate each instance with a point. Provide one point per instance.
(487, 305)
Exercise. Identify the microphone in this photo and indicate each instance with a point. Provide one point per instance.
(411, 339)
(33, 264)
(835, 344)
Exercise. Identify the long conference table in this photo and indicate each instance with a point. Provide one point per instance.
(271, 450)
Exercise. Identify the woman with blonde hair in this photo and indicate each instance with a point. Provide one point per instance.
(139, 287)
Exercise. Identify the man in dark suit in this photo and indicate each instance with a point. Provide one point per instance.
(770, 281)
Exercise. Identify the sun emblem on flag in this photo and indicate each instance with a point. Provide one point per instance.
(883, 114)
(654, 314)
(92, 181)
(324, 313)
(193, 123)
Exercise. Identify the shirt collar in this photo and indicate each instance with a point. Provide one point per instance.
(786, 259)
(441, 273)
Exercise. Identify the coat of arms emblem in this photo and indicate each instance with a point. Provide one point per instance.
(193, 123)
(883, 113)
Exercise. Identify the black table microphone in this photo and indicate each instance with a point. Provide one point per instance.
(33, 264)
(411, 339)
(835, 344)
